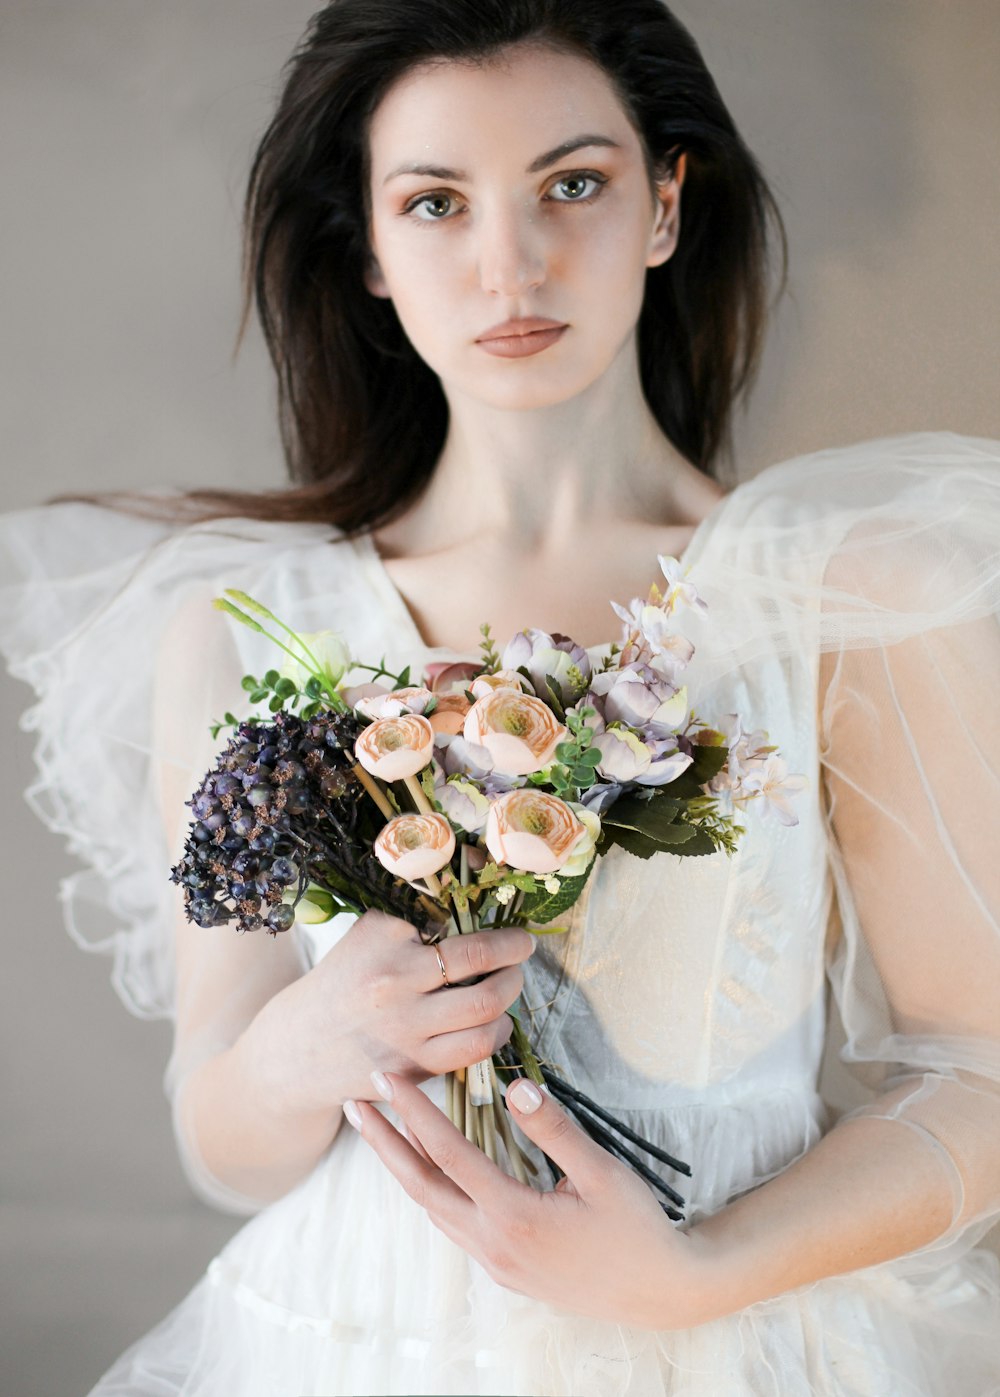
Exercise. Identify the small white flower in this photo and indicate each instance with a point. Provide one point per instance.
(505, 893)
(552, 884)
(771, 783)
(679, 590)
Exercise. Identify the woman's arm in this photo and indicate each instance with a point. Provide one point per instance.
(241, 1137)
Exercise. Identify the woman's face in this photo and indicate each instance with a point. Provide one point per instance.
(500, 225)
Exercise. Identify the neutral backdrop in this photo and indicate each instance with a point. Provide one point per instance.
(126, 133)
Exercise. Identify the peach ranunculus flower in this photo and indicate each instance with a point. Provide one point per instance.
(394, 702)
(392, 748)
(520, 732)
(503, 679)
(449, 715)
(531, 830)
(354, 692)
(414, 846)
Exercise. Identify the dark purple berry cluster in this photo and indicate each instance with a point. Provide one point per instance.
(264, 819)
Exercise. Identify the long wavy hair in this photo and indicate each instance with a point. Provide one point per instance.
(363, 419)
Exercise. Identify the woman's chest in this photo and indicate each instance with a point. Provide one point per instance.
(449, 597)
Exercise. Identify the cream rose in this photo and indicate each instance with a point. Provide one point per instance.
(392, 748)
(415, 846)
(531, 830)
(520, 732)
(484, 684)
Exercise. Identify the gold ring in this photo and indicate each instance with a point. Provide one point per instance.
(444, 973)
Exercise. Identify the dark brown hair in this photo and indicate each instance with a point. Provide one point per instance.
(363, 419)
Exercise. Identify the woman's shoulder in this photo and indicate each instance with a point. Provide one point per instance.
(854, 546)
(73, 569)
(879, 472)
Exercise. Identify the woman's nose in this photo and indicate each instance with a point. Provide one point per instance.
(511, 256)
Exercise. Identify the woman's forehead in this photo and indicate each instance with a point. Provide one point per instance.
(526, 101)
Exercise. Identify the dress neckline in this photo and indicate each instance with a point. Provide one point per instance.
(391, 597)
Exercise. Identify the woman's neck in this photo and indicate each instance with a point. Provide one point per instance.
(534, 483)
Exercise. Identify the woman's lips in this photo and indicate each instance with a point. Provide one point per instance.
(516, 346)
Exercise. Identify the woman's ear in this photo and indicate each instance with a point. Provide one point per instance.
(373, 278)
(663, 241)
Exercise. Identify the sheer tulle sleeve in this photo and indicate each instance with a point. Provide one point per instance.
(880, 564)
(109, 619)
(910, 736)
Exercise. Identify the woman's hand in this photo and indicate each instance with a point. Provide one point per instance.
(378, 1001)
(598, 1244)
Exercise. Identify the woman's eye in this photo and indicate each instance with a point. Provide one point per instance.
(574, 185)
(437, 207)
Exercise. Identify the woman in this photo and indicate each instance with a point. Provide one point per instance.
(528, 473)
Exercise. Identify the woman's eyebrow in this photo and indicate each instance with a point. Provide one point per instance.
(542, 162)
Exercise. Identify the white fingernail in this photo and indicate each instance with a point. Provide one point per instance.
(353, 1114)
(527, 1098)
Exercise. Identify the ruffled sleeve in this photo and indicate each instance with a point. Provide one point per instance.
(78, 624)
(108, 618)
(879, 565)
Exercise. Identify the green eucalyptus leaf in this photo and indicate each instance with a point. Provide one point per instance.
(258, 696)
(271, 678)
(248, 682)
(275, 703)
(285, 688)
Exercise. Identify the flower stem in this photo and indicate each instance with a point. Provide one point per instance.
(470, 1114)
(517, 1160)
(519, 1042)
(488, 1125)
(374, 791)
(419, 799)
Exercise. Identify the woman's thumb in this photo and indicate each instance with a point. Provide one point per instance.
(547, 1125)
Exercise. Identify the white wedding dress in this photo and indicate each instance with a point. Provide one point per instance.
(854, 600)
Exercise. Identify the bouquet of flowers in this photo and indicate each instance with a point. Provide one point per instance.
(480, 797)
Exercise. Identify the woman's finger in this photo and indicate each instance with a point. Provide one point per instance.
(431, 1189)
(468, 957)
(470, 1006)
(443, 1052)
(453, 1155)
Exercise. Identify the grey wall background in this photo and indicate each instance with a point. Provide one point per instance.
(126, 130)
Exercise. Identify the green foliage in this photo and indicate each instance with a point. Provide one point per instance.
(577, 759)
(660, 821)
(488, 650)
(542, 906)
